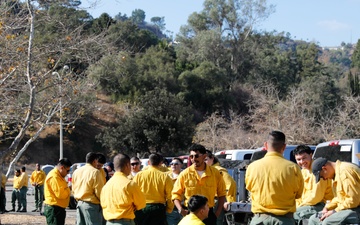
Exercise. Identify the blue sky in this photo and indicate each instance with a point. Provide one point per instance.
(326, 22)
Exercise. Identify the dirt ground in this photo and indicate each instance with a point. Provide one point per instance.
(12, 219)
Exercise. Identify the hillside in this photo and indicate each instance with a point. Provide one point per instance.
(45, 150)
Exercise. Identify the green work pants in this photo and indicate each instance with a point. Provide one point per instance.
(39, 196)
(55, 215)
(23, 201)
(264, 219)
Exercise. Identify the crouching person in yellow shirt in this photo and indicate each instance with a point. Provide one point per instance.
(199, 211)
(57, 193)
(121, 197)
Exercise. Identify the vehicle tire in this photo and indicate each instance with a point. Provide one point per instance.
(72, 203)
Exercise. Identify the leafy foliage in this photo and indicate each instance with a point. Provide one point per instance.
(163, 123)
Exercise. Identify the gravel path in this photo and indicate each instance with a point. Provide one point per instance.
(23, 219)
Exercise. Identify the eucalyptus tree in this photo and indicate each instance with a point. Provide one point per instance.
(218, 32)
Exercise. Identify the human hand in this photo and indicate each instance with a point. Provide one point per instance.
(327, 214)
(183, 212)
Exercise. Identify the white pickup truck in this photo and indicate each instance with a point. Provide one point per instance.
(343, 150)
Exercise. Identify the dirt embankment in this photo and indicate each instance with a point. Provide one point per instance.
(77, 141)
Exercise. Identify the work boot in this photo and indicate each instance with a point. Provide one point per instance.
(35, 210)
(12, 210)
(23, 210)
(18, 210)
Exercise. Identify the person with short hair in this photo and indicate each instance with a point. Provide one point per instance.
(199, 211)
(15, 195)
(87, 182)
(57, 193)
(157, 187)
(24, 188)
(200, 179)
(120, 196)
(314, 194)
(274, 183)
(37, 180)
(135, 167)
(176, 163)
(344, 208)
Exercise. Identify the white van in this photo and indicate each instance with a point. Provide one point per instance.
(235, 154)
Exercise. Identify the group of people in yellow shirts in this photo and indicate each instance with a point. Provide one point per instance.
(153, 195)
(321, 192)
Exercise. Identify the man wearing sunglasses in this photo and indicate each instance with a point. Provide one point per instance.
(200, 179)
(135, 167)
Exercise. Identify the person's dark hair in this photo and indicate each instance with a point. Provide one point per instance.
(101, 158)
(178, 159)
(276, 139)
(64, 162)
(212, 156)
(196, 202)
(120, 161)
(197, 148)
(300, 149)
(155, 159)
(90, 157)
(17, 171)
(135, 158)
(110, 164)
(23, 169)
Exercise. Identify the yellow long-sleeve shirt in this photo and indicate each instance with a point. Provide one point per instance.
(121, 197)
(56, 191)
(313, 192)
(209, 184)
(274, 184)
(87, 183)
(347, 187)
(191, 219)
(37, 177)
(229, 183)
(24, 179)
(17, 182)
(156, 186)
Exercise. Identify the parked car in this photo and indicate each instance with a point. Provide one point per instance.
(47, 168)
(288, 152)
(235, 154)
(343, 150)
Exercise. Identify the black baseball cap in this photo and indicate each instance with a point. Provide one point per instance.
(317, 167)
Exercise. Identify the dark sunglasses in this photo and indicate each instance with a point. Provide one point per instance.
(135, 164)
(196, 156)
(175, 164)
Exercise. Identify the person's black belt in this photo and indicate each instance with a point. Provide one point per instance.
(121, 220)
(155, 204)
(287, 215)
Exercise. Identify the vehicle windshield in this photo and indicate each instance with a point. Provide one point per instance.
(334, 152)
